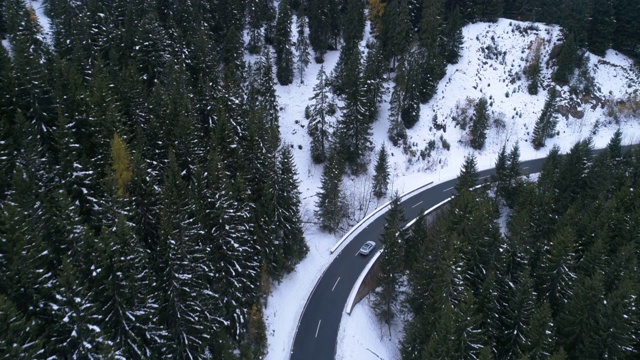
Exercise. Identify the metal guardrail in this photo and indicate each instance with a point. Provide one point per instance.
(354, 290)
(374, 215)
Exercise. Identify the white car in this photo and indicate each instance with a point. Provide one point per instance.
(366, 248)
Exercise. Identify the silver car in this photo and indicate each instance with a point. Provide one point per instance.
(367, 247)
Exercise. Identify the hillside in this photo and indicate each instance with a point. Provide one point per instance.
(492, 65)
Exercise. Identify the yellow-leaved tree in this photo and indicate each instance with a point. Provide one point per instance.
(121, 164)
(376, 11)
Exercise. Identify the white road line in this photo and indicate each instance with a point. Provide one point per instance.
(445, 190)
(334, 285)
(524, 168)
(486, 176)
(318, 328)
(416, 204)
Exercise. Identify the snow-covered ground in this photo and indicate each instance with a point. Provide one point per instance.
(492, 64)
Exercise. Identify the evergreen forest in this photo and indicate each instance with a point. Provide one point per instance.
(518, 269)
(148, 202)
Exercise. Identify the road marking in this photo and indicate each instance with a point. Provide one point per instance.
(334, 285)
(486, 176)
(318, 328)
(445, 190)
(524, 168)
(416, 204)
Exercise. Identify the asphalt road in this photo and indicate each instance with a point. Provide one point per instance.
(317, 332)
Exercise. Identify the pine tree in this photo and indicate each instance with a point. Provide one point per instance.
(479, 125)
(302, 46)
(397, 31)
(323, 20)
(288, 225)
(353, 130)
(15, 341)
(452, 42)
(468, 177)
(567, 60)
(545, 126)
(373, 81)
(182, 268)
(627, 31)
(381, 176)
(391, 265)
(397, 132)
(540, 334)
(581, 327)
(318, 127)
(601, 27)
(76, 333)
(282, 44)
(262, 95)
(410, 113)
(430, 59)
(331, 204)
(353, 22)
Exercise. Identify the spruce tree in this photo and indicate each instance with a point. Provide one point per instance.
(567, 60)
(282, 44)
(479, 125)
(410, 113)
(353, 129)
(182, 267)
(302, 46)
(331, 204)
(76, 333)
(391, 264)
(601, 27)
(318, 127)
(452, 38)
(288, 225)
(397, 132)
(373, 81)
(381, 176)
(545, 126)
(468, 177)
(540, 335)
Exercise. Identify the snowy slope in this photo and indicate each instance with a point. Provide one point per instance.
(492, 64)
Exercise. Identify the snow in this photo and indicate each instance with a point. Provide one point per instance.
(361, 335)
(45, 22)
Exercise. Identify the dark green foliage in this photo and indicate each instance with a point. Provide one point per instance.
(567, 61)
(626, 36)
(381, 176)
(323, 22)
(318, 127)
(410, 113)
(146, 267)
(545, 126)
(601, 27)
(282, 44)
(397, 131)
(468, 177)
(332, 206)
(557, 283)
(391, 264)
(452, 39)
(288, 225)
(353, 129)
(479, 124)
(576, 16)
(397, 31)
(302, 46)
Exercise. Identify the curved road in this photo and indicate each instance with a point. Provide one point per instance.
(317, 331)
